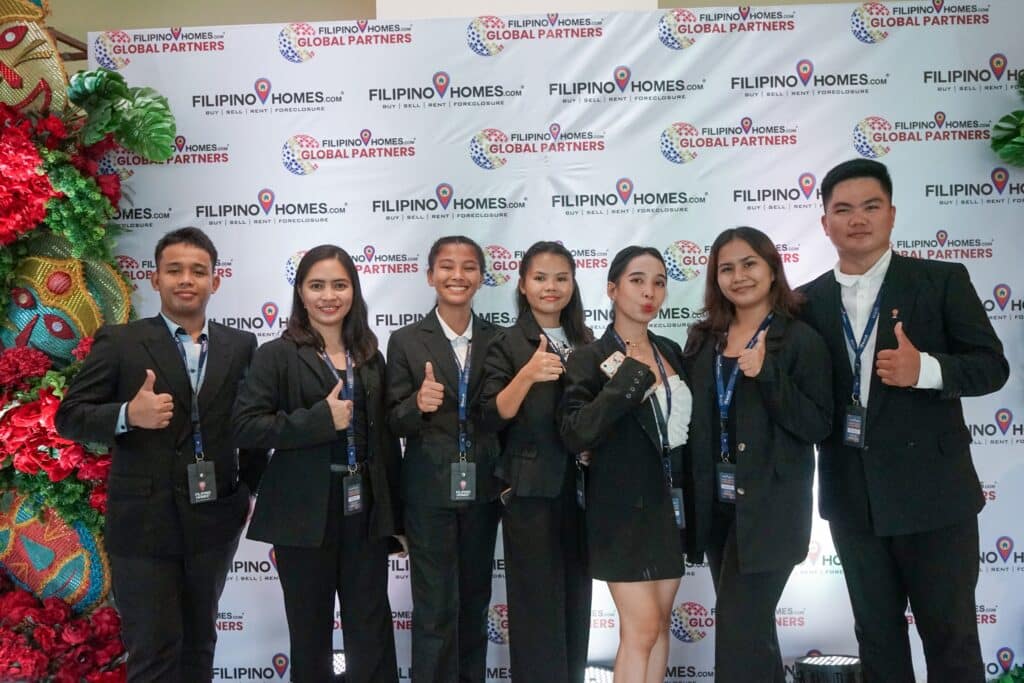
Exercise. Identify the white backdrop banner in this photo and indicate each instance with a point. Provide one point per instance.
(600, 130)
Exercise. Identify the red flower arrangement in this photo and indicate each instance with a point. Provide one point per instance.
(20, 364)
(42, 641)
(24, 189)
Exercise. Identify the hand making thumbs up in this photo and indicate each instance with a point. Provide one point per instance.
(149, 410)
(341, 409)
(899, 367)
(431, 393)
(543, 366)
(751, 360)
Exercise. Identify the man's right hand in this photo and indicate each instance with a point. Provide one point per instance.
(150, 410)
(431, 393)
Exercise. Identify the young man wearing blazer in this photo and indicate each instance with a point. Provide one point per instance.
(176, 502)
(896, 482)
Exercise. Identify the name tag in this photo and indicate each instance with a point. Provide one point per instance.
(352, 492)
(202, 482)
(725, 475)
(463, 487)
(853, 426)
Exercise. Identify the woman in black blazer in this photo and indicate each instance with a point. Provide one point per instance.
(549, 629)
(627, 402)
(752, 446)
(328, 500)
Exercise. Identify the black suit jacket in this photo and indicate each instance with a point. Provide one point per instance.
(148, 511)
(533, 458)
(780, 414)
(432, 439)
(282, 406)
(915, 473)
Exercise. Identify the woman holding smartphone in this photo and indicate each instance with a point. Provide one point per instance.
(626, 401)
(761, 383)
(328, 500)
(542, 525)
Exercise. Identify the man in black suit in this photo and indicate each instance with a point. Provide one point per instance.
(908, 338)
(175, 507)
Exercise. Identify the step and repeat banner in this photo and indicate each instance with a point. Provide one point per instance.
(599, 130)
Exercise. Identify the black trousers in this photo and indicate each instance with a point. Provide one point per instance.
(451, 552)
(175, 642)
(937, 572)
(548, 589)
(353, 566)
(746, 639)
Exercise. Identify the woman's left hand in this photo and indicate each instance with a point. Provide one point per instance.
(751, 360)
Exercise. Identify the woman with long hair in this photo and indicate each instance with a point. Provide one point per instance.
(542, 525)
(762, 397)
(328, 500)
(627, 401)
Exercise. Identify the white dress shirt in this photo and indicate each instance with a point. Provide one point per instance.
(459, 342)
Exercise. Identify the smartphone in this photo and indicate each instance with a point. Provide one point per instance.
(611, 364)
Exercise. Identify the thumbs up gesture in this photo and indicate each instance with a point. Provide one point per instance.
(148, 409)
(899, 367)
(751, 360)
(431, 393)
(341, 410)
(542, 366)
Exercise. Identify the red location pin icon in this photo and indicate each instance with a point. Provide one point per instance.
(1005, 654)
(622, 75)
(280, 661)
(813, 551)
(552, 18)
(176, 32)
(744, 11)
(937, 4)
(1004, 418)
(940, 118)
(266, 199)
(273, 557)
(262, 88)
(998, 64)
(1002, 295)
(942, 236)
(556, 130)
(441, 81)
(179, 142)
(365, 135)
(805, 69)
(624, 187)
(269, 311)
(362, 24)
(745, 123)
(369, 251)
(999, 177)
(444, 193)
(807, 184)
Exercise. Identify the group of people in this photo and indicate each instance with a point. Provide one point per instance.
(612, 458)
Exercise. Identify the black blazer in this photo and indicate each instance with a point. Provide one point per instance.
(533, 458)
(604, 416)
(915, 473)
(148, 512)
(780, 414)
(282, 406)
(432, 439)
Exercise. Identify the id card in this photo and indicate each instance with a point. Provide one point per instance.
(581, 488)
(352, 493)
(725, 476)
(202, 482)
(853, 426)
(677, 508)
(463, 481)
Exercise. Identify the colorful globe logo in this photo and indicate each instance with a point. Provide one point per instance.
(291, 267)
(292, 157)
(476, 35)
(690, 622)
(864, 137)
(104, 45)
(497, 624)
(288, 42)
(673, 27)
(672, 142)
(860, 23)
(682, 259)
(480, 152)
(500, 265)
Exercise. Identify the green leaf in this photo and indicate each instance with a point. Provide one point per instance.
(1008, 138)
(99, 84)
(147, 127)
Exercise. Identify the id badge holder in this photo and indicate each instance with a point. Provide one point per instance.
(463, 486)
(677, 508)
(202, 482)
(352, 493)
(853, 425)
(581, 487)
(725, 477)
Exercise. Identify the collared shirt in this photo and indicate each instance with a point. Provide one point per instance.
(858, 294)
(192, 350)
(459, 342)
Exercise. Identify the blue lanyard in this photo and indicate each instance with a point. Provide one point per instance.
(197, 432)
(858, 349)
(725, 392)
(347, 394)
(463, 400)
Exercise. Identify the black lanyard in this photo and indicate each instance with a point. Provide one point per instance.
(347, 394)
(725, 392)
(197, 432)
(858, 349)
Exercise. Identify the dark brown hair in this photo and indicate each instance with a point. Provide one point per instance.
(570, 317)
